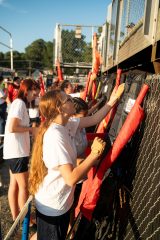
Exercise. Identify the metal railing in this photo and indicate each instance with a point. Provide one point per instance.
(22, 219)
(10, 46)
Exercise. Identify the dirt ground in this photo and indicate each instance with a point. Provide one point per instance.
(5, 215)
(6, 219)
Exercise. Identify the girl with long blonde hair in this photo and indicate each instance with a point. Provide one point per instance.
(53, 172)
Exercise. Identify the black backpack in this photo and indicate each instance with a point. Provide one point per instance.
(133, 85)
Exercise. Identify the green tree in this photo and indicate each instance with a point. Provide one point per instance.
(48, 57)
(1, 56)
(1, 59)
(73, 49)
(87, 53)
(19, 61)
(36, 53)
(7, 59)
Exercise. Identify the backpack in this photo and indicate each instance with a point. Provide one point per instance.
(133, 85)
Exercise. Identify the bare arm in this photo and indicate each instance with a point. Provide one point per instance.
(80, 160)
(15, 126)
(73, 175)
(98, 116)
(92, 109)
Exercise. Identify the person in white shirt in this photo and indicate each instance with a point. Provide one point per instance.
(3, 107)
(53, 172)
(68, 88)
(81, 143)
(34, 108)
(16, 150)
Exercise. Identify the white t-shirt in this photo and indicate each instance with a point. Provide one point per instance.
(54, 197)
(2, 94)
(77, 94)
(17, 144)
(34, 112)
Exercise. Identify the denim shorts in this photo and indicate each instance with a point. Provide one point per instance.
(18, 165)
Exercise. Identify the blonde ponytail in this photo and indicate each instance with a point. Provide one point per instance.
(38, 169)
(49, 109)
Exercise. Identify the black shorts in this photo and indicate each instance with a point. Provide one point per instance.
(18, 165)
(35, 120)
(52, 228)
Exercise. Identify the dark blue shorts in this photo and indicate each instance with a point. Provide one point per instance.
(18, 165)
(52, 228)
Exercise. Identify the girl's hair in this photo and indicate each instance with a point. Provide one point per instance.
(79, 88)
(65, 84)
(36, 87)
(48, 106)
(25, 86)
(54, 86)
(80, 105)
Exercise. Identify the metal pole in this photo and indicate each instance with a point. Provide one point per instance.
(10, 47)
(11, 50)
(56, 45)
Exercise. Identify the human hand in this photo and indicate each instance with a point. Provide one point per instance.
(34, 131)
(93, 76)
(116, 94)
(98, 147)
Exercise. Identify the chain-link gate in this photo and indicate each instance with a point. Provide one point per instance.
(73, 46)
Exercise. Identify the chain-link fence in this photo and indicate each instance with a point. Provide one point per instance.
(123, 16)
(144, 208)
(74, 44)
(129, 203)
(132, 12)
(113, 28)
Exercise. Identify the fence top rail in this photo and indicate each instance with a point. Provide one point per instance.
(80, 25)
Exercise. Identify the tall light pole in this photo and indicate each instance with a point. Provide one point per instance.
(9, 46)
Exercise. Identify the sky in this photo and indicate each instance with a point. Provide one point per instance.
(29, 20)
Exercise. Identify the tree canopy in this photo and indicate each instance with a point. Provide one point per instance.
(39, 54)
(75, 49)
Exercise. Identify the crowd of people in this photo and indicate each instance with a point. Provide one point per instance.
(53, 126)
